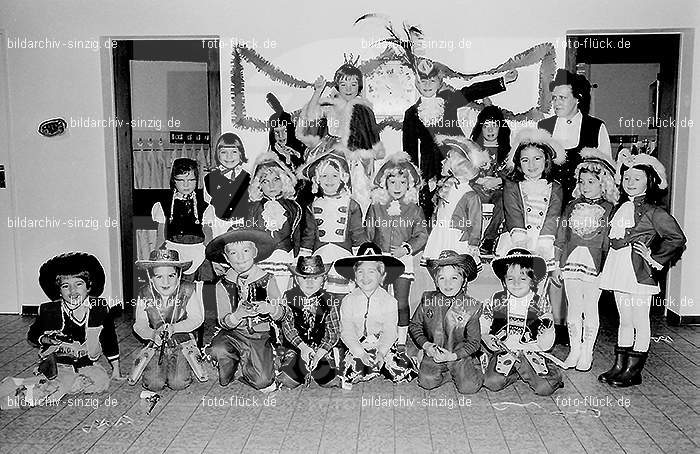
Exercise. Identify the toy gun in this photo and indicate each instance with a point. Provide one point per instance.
(140, 363)
(193, 357)
(164, 338)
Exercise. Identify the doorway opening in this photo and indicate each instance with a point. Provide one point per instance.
(167, 98)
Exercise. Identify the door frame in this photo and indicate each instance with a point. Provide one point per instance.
(13, 281)
(678, 180)
(115, 68)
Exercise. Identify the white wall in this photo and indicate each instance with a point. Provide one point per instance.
(51, 176)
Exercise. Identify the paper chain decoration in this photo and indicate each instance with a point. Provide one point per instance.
(543, 53)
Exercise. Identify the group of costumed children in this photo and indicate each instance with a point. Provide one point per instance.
(319, 289)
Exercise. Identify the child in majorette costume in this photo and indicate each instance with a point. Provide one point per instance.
(339, 229)
(644, 239)
(273, 208)
(457, 221)
(580, 248)
(532, 203)
(517, 326)
(446, 326)
(168, 310)
(343, 121)
(396, 224)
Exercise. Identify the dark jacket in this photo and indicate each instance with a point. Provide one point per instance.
(419, 139)
(50, 318)
(294, 234)
(657, 229)
(451, 323)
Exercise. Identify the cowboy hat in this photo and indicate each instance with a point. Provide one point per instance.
(71, 264)
(163, 257)
(262, 240)
(310, 266)
(451, 258)
(522, 257)
(370, 252)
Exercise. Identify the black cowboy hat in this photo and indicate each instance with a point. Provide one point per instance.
(263, 241)
(464, 261)
(523, 257)
(370, 252)
(309, 266)
(71, 264)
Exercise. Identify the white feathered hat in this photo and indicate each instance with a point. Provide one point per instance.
(594, 155)
(627, 159)
(537, 137)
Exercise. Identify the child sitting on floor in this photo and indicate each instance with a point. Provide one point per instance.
(516, 325)
(446, 326)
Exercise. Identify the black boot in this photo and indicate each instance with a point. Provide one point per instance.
(487, 246)
(620, 364)
(632, 374)
(561, 335)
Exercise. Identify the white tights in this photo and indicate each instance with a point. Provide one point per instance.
(635, 329)
(583, 298)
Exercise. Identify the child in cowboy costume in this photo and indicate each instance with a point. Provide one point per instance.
(516, 325)
(76, 327)
(168, 310)
(311, 326)
(369, 318)
(247, 303)
(446, 326)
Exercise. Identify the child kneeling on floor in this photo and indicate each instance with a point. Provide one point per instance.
(517, 325)
(446, 326)
(311, 326)
(247, 302)
(369, 317)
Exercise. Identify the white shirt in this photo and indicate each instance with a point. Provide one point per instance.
(568, 133)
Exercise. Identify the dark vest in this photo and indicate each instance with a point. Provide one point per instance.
(229, 197)
(311, 329)
(257, 291)
(588, 137)
(184, 228)
(500, 317)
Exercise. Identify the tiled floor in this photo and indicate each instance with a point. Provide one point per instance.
(661, 415)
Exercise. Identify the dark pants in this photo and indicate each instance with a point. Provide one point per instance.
(542, 385)
(425, 200)
(402, 288)
(253, 352)
(174, 371)
(294, 371)
(466, 375)
(491, 231)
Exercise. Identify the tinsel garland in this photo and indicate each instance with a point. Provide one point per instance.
(543, 53)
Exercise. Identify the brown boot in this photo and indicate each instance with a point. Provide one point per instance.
(618, 366)
(632, 374)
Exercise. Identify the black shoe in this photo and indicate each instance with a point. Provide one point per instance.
(619, 365)
(561, 335)
(632, 374)
(487, 247)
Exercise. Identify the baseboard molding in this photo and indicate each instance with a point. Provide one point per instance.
(29, 310)
(678, 320)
